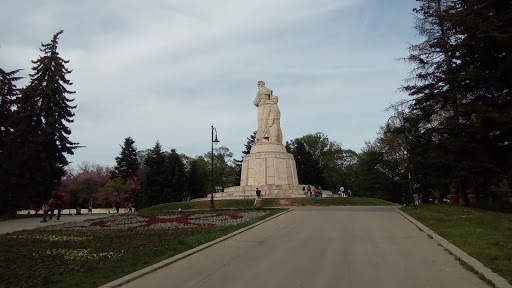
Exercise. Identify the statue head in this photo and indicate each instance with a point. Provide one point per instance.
(274, 99)
(261, 84)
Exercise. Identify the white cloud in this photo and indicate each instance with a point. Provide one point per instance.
(168, 70)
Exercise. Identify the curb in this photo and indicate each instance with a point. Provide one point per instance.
(138, 274)
(496, 279)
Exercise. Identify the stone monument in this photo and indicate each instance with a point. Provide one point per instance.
(268, 166)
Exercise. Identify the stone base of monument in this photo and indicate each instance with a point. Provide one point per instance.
(269, 164)
(267, 191)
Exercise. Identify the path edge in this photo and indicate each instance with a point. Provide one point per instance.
(150, 269)
(496, 279)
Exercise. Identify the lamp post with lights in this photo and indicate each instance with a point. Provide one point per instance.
(214, 140)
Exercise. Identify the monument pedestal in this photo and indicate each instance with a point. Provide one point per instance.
(268, 164)
(270, 168)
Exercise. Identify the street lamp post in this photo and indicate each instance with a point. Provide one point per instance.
(214, 140)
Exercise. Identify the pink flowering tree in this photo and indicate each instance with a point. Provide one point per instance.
(84, 183)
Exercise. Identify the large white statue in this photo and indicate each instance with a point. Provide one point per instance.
(260, 101)
(268, 166)
(269, 116)
(273, 131)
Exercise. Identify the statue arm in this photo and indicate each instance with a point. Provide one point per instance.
(257, 99)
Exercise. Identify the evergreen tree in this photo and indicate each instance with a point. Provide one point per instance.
(8, 94)
(127, 163)
(154, 182)
(238, 163)
(177, 178)
(37, 149)
(197, 178)
(461, 89)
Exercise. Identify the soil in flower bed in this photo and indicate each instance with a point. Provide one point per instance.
(109, 248)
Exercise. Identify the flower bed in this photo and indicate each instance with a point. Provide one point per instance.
(134, 222)
(66, 255)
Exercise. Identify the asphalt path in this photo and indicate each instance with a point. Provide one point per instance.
(321, 247)
(19, 224)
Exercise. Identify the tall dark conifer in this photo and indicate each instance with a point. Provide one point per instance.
(37, 149)
(155, 181)
(198, 178)
(127, 163)
(176, 188)
(8, 95)
(238, 163)
(461, 89)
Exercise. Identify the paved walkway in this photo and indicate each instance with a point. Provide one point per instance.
(8, 226)
(317, 247)
(342, 246)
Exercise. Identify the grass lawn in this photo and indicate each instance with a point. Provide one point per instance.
(483, 234)
(269, 202)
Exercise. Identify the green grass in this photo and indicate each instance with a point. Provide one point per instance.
(338, 201)
(24, 259)
(483, 234)
(267, 202)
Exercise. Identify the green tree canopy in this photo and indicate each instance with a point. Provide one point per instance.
(39, 143)
(127, 163)
(8, 95)
(461, 93)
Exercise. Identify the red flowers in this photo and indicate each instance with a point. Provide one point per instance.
(133, 222)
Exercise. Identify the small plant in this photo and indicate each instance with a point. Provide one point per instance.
(502, 189)
(437, 193)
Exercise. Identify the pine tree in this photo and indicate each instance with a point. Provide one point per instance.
(127, 163)
(8, 95)
(238, 163)
(154, 182)
(461, 89)
(37, 149)
(198, 178)
(176, 188)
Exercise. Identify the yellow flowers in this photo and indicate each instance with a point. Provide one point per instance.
(50, 237)
(81, 254)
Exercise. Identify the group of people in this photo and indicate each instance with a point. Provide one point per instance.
(55, 202)
(342, 192)
(117, 205)
(316, 191)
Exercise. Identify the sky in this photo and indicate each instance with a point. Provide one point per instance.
(169, 70)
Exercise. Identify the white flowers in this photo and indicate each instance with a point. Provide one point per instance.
(135, 222)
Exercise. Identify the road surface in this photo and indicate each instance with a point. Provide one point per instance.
(321, 247)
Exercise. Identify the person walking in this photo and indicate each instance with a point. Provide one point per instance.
(46, 208)
(130, 207)
(258, 195)
(309, 191)
(58, 203)
(320, 191)
(90, 207)
(416, 199)
(117, 204)
(342, 191)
